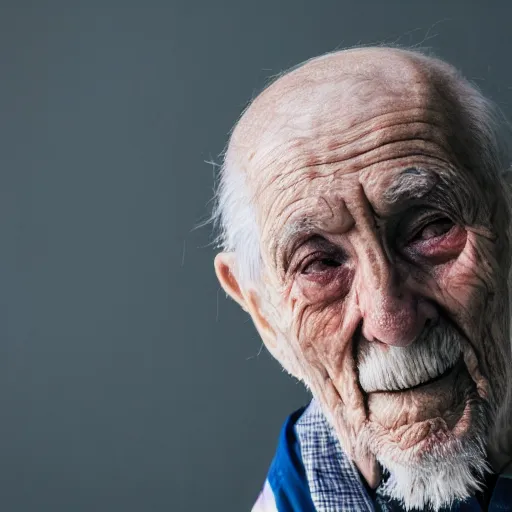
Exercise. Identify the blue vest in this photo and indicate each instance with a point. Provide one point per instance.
(289, 484)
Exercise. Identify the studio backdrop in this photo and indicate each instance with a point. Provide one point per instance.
(128, 382)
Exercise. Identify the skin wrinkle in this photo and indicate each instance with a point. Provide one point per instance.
(362, 147)
(276, 202)
(352, 398)
(287, 244)
(374, 139)
(373, 249)
(355, 162)
(330, 222)
(375, 133)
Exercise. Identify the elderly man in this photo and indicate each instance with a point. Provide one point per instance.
(365, 224)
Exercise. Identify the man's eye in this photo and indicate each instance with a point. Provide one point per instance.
(320, 265)
(434, 229)
(438, 241)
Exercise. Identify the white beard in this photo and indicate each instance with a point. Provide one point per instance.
(395, 368)
(439, 479)
(452, 470)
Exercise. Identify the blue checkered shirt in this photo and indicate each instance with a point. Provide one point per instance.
(334, 483)
(333, 479)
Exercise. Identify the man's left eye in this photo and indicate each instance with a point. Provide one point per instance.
(439, 241)
(434, 229)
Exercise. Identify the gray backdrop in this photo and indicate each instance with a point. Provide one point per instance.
(127, 381)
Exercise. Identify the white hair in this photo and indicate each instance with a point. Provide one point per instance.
(234, 211)
(443, 477)
(235, 217)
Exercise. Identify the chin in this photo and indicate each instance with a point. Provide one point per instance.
(434, 461)
(439, 478)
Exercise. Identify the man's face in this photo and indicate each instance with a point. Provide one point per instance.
(381, 272)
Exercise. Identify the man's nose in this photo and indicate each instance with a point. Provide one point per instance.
(391, 313)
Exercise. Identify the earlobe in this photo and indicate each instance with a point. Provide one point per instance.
(225, 269)
(266, 331)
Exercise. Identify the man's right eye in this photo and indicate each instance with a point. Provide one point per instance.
(329, 274)
(321, 265)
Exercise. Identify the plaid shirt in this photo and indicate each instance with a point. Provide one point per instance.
(335, 484)
(333, 479)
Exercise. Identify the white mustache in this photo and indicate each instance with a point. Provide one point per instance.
(394, 368)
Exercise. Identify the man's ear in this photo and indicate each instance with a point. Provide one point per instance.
(225, 265)
(225, 269)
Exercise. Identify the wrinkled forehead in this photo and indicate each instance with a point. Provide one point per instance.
(327, 133)
(360, 134)
(319, 117)
(328, 96)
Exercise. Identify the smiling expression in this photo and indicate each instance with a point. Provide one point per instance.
(380, 247)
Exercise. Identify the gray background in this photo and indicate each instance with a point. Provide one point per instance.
(127, 381)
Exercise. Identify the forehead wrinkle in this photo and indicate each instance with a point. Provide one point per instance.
(292, 142)
(324, 154)
(275, 185)
(303, 191)
(366, 80)
(347, 88)
(329, 143)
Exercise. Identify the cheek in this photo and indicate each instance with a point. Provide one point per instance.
(326, 287)
(468, 281)
(478, 292)
(322, 335)
(318, 308)
(459, 280)
(324, 342)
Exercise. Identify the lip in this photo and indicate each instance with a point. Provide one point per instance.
(424, 436)
(442, 398)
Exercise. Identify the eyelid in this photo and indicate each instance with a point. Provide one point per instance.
(335, 254)
(310, 258)
(413, 227)
(290, 255)
(302, 262)
(432, 220)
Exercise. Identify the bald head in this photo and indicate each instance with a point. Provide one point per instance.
(336, 92)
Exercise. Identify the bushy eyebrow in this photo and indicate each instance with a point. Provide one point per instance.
(413, 183)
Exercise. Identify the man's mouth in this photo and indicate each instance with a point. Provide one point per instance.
(439, 402)
(404, 368)
(422, 382)
(417, 392)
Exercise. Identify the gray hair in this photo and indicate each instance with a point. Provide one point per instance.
(234, 211)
